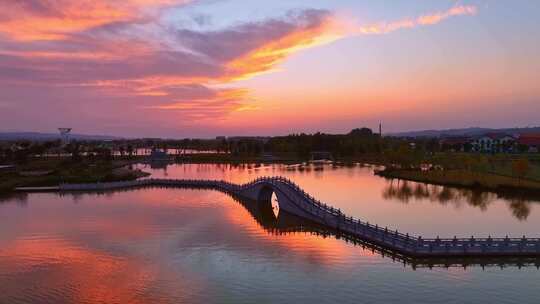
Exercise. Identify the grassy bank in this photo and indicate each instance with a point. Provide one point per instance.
(51, 172)
(465, 178)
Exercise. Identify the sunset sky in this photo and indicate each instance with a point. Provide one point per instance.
(181, 68)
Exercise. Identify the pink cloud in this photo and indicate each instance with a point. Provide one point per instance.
(31, 20)
(88, 63)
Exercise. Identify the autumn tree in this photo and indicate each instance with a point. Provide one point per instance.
(520, 167)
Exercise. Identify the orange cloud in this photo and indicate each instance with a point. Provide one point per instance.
(267, 56)
(429, 19)
(312, 29)
(53, 25)
(221, 101)
(147, 86)
(455, 11)
(326, 30)
(28, 21)
(246, 108)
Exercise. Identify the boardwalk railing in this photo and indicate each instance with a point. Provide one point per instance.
(333, 218)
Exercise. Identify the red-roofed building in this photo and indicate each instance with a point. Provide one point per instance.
(531, 141)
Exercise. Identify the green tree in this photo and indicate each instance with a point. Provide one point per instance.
(130, 150)
(21, 156)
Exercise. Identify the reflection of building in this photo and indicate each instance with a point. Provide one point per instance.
(268, 157)
(7, 168)
(158, 155)
(321, 155)
(159, 165)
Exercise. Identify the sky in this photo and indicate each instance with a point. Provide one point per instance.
(205, 68)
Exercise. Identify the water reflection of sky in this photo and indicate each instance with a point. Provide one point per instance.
(416, 208)
(199, 246)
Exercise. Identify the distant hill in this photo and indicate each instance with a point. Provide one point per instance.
(50, 136)
(464, 132)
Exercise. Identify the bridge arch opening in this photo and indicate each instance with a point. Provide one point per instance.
(268, 201)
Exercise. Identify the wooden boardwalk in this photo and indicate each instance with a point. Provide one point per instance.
(300, 203)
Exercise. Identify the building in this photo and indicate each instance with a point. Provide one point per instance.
(456, 143)
(493, 143)
(529, 143)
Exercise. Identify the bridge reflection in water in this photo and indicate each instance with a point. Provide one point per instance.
(287, 223)
(300, 212)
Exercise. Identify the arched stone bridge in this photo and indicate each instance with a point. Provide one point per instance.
(292, 199)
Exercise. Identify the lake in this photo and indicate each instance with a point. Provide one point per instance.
(201, 246)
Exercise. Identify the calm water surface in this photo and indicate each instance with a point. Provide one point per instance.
(200, 246)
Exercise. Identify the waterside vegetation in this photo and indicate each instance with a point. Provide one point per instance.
(500, 172)
(47, 163)
(51, 172)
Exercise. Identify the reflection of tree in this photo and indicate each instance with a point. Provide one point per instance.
(390, 191)
(77, 197)
(478, 198)
(404, 191)
(441, 195)
(421, 191)
(21, 198)
(520, 208)
(446, 195)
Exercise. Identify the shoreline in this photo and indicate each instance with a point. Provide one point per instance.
(466, 179)
(58, 172)
(119, 170)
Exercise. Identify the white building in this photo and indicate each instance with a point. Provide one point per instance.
(493, 143)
